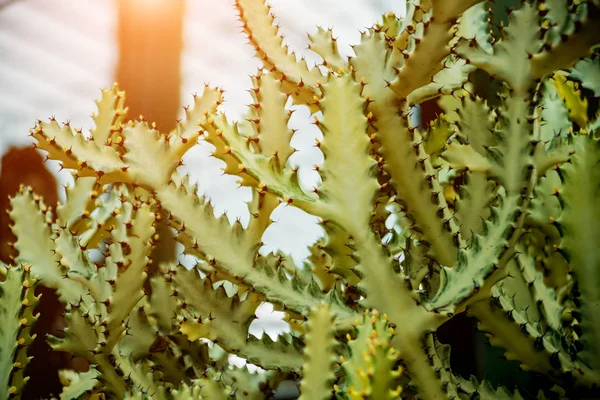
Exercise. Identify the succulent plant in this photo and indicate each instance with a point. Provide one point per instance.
(490, 210)
(17, 307)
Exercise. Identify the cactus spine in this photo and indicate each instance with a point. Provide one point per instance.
(487, 210)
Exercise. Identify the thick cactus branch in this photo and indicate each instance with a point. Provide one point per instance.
(425, 61)
(298, 80)
(17, 303)
(403, 156)
(580, 239)
(234, 252)
(489, 207)
(319, 356)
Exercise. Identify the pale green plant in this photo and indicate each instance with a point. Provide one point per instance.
(495, 210)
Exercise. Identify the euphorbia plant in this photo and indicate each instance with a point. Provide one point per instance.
(489, 210)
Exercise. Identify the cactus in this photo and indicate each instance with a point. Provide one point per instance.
(488, 210)
(17, 305)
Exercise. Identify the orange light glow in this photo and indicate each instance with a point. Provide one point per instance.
(150, 46)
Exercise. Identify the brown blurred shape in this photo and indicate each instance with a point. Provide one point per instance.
(22, 166)
(150, 45)
(149, 68)
(25, 166)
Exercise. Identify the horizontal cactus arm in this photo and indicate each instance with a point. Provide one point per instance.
(73, 151)
(466, 157)
(547, 159)
(135, 153)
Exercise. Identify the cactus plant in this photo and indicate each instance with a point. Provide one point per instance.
(489, 210)
(17, 306)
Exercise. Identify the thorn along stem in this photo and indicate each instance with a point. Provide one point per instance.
(489, 206)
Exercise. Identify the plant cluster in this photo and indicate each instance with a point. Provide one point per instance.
(491, 209)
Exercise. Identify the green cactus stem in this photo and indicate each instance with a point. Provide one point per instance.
(490, 209)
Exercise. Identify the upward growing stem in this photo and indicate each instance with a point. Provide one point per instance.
(387, 293)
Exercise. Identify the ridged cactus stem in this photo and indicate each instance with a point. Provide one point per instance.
(410, 170)
(17, 304)
(114, 382)
(387, 291)
(572, 48)
(433, 48)
(492, 205)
